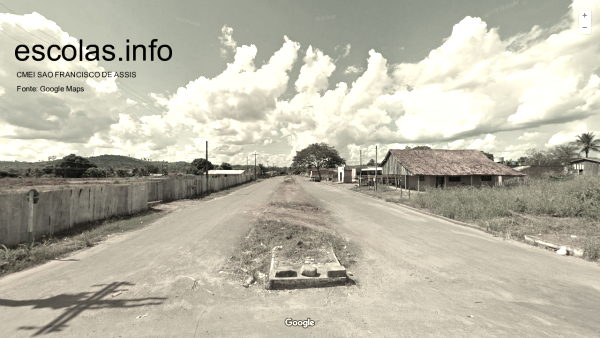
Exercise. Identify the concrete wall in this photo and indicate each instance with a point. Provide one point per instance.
(62, 209)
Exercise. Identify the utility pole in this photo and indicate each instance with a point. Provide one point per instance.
(255, 165)
(376, 167)
(247, 160)
(206, 166)
(360, 176)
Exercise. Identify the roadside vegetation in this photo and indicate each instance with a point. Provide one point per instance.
(563, 209)
(60, 245)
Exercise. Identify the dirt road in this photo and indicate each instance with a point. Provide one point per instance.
(418, 276)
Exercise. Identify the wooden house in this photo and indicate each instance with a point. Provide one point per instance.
(585, 166)
(415, 169)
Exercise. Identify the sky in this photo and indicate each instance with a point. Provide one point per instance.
(271, 77)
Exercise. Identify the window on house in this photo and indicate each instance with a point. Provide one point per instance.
(487, 178)
(454, 179)
(421, 178)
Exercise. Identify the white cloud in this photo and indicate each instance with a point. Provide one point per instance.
(347, 50)
(314, 74)
(353, 70)
(486, 144)
(62, 116)
(528, 136)
(226, 39)
(476, 90)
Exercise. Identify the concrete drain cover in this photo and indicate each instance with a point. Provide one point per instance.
(287, 273)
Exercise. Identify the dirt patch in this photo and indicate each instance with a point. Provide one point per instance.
(293, 221)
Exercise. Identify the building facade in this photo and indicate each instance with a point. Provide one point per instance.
(416, 169)
(585, 166)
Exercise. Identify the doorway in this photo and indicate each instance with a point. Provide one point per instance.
(439, 181)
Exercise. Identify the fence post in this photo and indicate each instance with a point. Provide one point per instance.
(30, 225)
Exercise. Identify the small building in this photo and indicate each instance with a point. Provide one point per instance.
(349, 173)
(585, 166)
(414, 169)
(327, 174)
(538, 171)
(225, 173)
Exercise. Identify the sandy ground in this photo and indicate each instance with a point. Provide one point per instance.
(418, 276)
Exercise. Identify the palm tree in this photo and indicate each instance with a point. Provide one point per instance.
(587, 143)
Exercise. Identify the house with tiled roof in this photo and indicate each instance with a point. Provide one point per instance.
(416, 169)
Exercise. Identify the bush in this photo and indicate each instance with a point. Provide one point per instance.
(567, 197)
(49, 169)
(95, 172)
(152, 169)
(7, 174)
(73, 166)
(122, 173)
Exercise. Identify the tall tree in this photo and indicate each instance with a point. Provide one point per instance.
(371, 162)
(587, 142)
(563, 154)
(490, 156)
(318, 155)
(198, 165)
(261, 169)
(226, 166)
(73, 166)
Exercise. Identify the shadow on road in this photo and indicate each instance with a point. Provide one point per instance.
(75, 304)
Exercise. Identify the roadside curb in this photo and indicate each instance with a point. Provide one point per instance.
(528, 239)
(569, 251)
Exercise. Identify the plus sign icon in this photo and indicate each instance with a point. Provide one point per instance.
(585, 21)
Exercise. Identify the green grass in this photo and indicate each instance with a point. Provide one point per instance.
(576, 197)
(592, 249)
(61, 244)
(560, 205)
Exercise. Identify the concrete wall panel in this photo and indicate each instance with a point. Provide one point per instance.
(62, 209)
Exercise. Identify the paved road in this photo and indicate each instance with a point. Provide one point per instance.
(418, 276)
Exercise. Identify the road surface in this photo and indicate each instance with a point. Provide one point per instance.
(417, 276)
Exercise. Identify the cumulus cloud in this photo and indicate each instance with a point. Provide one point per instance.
(314, 74)
(489, 85)
(476, 90)
(353, 70)
(62, 116)
(226, 39)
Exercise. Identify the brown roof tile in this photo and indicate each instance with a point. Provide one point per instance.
(448, 162)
